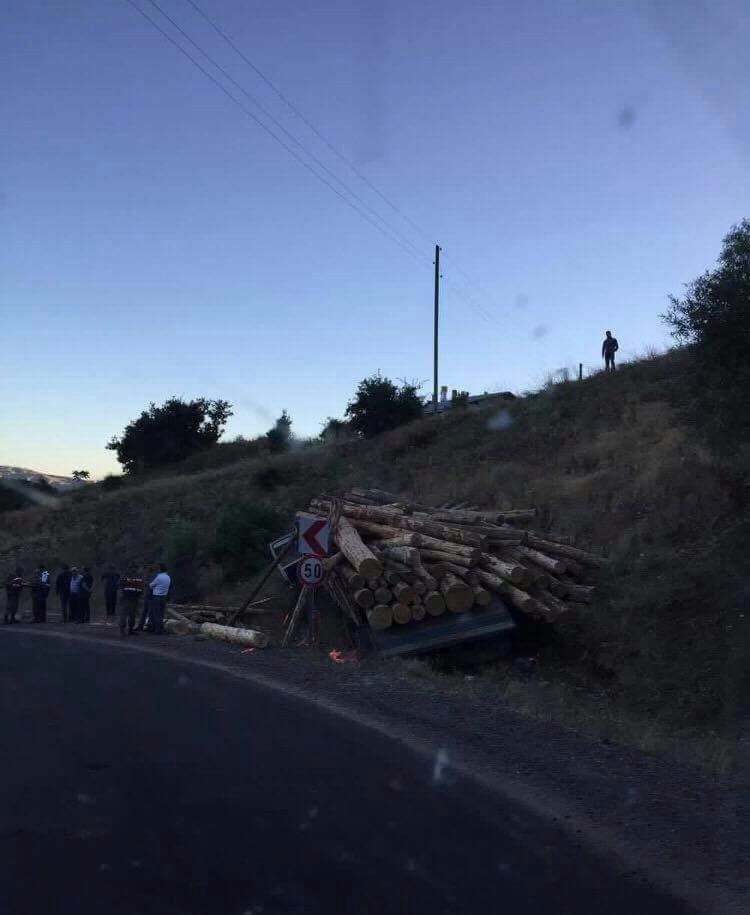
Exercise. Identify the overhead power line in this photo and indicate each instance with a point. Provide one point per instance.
(292, 152)
(318, 133)
(287, 133)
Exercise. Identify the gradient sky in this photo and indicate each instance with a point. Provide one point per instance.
(578, 160)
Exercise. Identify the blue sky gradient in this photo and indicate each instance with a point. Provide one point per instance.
(578, 160)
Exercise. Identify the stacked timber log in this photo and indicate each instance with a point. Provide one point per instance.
(398, 561)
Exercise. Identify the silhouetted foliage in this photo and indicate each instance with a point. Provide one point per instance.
(379, 405)
(335, 430)
(714, 318)
(180, 551)
(170, 433)
(243, 532)
(280, 436)
(81, 475)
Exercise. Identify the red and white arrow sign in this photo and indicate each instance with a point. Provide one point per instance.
(313, 534)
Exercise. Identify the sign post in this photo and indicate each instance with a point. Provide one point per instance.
(313, 534)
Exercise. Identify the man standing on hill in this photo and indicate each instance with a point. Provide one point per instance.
(609, 348)
(39, 594)
(159, 590)
(62, 589)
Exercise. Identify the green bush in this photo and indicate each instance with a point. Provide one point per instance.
(180, 551)
(243, 532)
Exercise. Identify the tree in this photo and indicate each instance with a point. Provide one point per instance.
(171, 432)
(714, 319)
(379, 405)
(81, 475)
(335, 430)
(280, 436)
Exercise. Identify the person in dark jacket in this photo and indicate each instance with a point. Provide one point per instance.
(87, 586)
(14, 585)
(75, 595)
(609, 348)
(39, 594)
(131, 587)
(111, 581)
(62, 589)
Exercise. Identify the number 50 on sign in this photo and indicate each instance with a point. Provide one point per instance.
(310, 571)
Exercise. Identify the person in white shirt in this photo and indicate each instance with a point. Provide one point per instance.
(159, 591)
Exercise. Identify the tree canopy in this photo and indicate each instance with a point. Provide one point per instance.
(379, 405)
(171, 432)
(714, 318)
(280, 435)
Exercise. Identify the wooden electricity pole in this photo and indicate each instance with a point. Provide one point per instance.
(437, 308)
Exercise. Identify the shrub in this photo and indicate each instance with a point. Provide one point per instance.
(280, 436)
(243, 531)
(714, 318)
(379, 405)
(180, 551)
(111, 482)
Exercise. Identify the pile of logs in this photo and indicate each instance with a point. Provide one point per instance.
(398, 561)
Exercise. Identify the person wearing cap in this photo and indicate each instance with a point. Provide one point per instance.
(39, 594)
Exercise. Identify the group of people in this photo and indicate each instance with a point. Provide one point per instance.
(74, 588)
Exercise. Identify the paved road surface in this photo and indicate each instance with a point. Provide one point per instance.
(138, 784)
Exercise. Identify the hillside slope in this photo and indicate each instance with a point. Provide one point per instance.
(607, 460)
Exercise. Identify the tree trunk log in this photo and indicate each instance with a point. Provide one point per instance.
(383, 595)
(549, 600)
(549, 564)
(403, 593)
(401, 613)
(513, 572)
(424, 576)
(434, 603)
(439, 556)
(570, 552)
(234, 635)
(354, 581)
(579, 593)
(418, 612)
(331, 562)
(408, 555)
(458, 595)
(364, 598)
(351, 545)
(402, 539)
(482, 597)
(442, 531)
(445, 546)
(380, 617)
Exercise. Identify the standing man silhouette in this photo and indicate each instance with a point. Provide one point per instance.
(609, 348)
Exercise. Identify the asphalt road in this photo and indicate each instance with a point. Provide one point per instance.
(139, 784)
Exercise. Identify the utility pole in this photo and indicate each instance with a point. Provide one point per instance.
(437, 310)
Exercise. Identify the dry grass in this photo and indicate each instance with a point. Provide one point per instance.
(607, 460)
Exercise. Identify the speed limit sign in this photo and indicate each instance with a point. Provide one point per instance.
(310, 571)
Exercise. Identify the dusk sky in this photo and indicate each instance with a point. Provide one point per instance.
(579, 161)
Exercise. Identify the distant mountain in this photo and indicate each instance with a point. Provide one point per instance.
(23, 474)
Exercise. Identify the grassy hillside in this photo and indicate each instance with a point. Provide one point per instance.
(608, 460)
